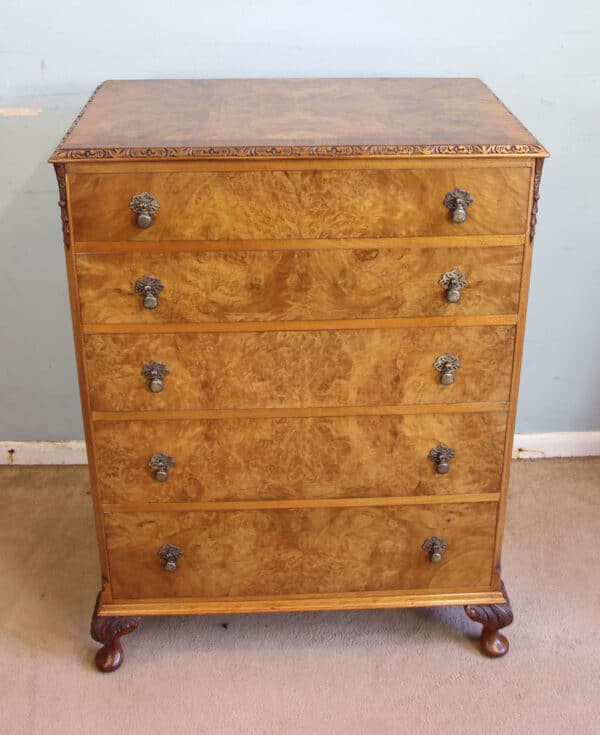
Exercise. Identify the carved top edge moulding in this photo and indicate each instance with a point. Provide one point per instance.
(294, 118)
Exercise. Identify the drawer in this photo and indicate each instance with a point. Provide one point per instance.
(297, 284)
(254, 370)
(288, 458)
(254, 205)
(298, 551)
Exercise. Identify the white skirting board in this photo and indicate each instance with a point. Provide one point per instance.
(61, 452)
(557, 444)
(526, 446)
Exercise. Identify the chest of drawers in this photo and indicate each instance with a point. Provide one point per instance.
(298, 310)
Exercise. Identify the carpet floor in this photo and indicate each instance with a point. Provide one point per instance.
(371, 672)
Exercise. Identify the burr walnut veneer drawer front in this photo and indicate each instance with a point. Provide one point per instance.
(300, 204)
(299, 551)
(288, 458)
(296, 284)
(355, 367)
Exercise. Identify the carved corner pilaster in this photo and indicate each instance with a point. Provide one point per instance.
(108, 631)
(537, 177)
(492, 617)
(59, 169)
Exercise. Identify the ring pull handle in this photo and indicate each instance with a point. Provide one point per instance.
(447, 365)
(453, 282)
(148, 288)
(441, 456)
(170, 555)
(161, 463)
(155, 373)
(145, 206)
(457, 202)
(435, 547)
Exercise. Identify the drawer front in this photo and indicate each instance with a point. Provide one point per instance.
(299, 204)
(297, 284)
(370, 367)
(278, 459)
(296, 551)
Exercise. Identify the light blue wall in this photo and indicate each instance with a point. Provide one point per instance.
(541, 57)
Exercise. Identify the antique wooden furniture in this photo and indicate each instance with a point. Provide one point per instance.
(298, 309)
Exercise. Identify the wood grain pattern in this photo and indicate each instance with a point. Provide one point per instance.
(300, 204)
(300, 250)
(82, 378)
(499, 320)
(281, 552)
(298, 369)
(129, 247)
(334, 117)
(297, 284)
(250, 459)
(191, 165)
(297, 603)
(370, 502)
(406, 409)
(516, 370)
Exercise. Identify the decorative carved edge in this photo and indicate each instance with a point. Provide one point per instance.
(498, 615)
(295, 151)
(537, 177)
(108, 630)
(59, 169)
(58, 152)
(492, 617)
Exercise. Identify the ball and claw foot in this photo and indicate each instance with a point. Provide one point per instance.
(108, 631)
(492, 617)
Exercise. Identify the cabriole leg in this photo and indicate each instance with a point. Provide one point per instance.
(492, 617)
(108, 631)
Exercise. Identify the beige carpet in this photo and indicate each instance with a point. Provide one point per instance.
(379, 672)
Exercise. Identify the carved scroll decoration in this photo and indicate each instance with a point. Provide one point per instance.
(537, 177)
(59, 169)
(299, 151)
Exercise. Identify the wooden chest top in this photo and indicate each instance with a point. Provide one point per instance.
(283, 118)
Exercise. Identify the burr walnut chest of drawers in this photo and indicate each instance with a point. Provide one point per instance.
(298, 309)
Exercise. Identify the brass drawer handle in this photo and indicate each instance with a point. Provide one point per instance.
(161, 463)
(441, 456)
(435, 547)
(145, 206)
(457, 202)
(155, 373)
(447, 365)
(148, 288)
(170, 555)
(453, 281)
